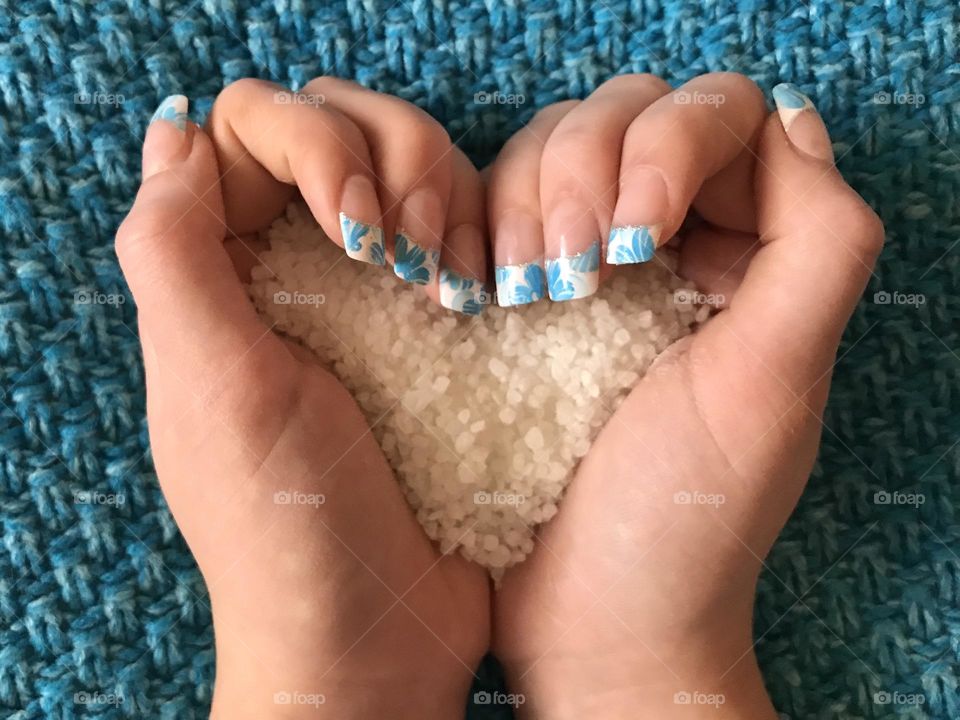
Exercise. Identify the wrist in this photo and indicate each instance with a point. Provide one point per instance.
(713, 676)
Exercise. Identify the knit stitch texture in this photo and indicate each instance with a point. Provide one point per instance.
(861, 596)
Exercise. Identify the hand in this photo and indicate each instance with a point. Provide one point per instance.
(642, 587)
(322, 583)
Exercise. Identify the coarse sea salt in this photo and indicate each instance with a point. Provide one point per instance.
(483, 419)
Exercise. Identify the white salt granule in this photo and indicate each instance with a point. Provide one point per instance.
(483, 419)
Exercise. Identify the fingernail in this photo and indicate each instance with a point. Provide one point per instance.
(519, 270)
(462, 287)
(418, 239)
(173, 110)
(638, 218)
(167, 141)
(359, 215)
(802, 123)
(573, 251)
(632, 244)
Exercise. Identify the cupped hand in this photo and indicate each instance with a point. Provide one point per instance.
(637, 601)
(327, 598)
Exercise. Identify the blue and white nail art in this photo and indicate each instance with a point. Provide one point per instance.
(362, 241)
(465, 295)
(576, 276)
(412, 262)
(632, 244)
(790, 103)
(519, 284)
(173, 109)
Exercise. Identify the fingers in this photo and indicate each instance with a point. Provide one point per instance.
(170, 246)
(269, 140)
(579, 177)
(671, 149)
(513, 209)
(377, 172)
(820, 241)
(463, 264)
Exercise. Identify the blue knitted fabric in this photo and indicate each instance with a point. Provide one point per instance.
(860, 597)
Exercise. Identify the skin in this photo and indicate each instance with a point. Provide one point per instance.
(630, 597)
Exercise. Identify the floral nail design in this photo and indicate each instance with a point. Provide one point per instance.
(632, 244)
(519, 284)
(174, 110)
(465, 295)
(414, 263)
(576, 276)
(790, 103)
(362, 241)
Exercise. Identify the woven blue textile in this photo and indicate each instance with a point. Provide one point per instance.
(861, 596)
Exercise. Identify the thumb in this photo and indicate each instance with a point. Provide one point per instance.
(820, 241)
(190, 302)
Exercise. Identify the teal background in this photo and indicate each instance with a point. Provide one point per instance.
(859, 597)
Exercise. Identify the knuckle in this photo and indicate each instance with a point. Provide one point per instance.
(243, 89)
(747, 92)
(571, 139)
(865, 227)
(635, 81)
(324, 84)
(551, 111)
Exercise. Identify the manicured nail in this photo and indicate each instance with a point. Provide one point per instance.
(464, 264)
(418, 240)
(632, 244)
(576, 276)
(572, 246)
(463, 294)
(518, 245)
(638, 218)
(802, 123)
(174, 110)
(360, 212)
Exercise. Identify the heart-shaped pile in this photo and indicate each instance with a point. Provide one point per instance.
(483, 419)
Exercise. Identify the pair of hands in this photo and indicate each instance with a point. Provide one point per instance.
(629, 597)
